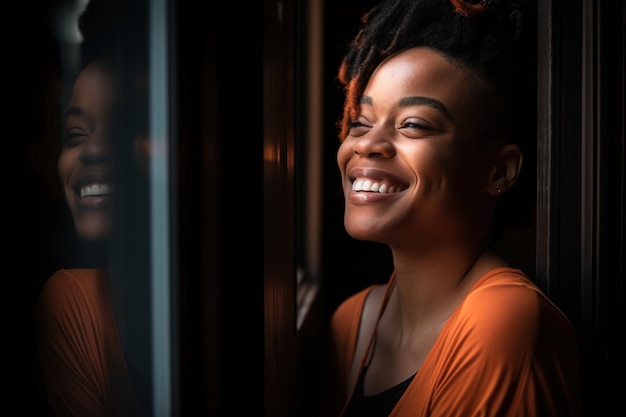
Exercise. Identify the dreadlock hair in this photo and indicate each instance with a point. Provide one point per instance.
(494, 39)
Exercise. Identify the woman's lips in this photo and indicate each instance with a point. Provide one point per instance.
(372, 185)
(376, 186)
(375, 180)
(94, 192)
(98, 190)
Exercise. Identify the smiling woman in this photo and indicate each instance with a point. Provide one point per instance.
(84, 367)
(225, 280)
(85, 164)
(85, 362)
(442, 163)
(430, 145)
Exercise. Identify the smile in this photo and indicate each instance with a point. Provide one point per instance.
(92, 190)
(382, 187)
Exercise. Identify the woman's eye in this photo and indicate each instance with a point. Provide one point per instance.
(415, 124)
(73, 138)
(356, 123)
(357, 128)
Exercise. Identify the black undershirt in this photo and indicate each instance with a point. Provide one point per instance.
(379, 405)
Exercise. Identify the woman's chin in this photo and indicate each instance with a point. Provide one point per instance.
(363, 232)
(93, 232)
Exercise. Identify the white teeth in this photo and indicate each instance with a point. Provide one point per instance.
(367, 185)
(95, 190)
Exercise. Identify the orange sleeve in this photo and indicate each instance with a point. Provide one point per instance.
(82, 360)
(69, 337)
(508, 351)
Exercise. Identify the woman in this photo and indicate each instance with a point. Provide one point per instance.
(85, 370)
(439, 112)
(83, 363)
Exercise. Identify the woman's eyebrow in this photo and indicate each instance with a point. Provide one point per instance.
(73, 111)
(413, 101)
(424, 101)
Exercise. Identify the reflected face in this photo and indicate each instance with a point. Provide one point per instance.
(412, 169)
(85, 166)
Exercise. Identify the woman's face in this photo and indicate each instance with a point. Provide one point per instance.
(412, 169)
(85, 166)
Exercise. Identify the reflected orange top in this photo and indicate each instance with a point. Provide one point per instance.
(83, 365)
(507, 350)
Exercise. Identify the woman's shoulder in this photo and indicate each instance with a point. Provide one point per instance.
(506, 303)
(350, 322)
(78, 273)
(79, 285)
(350, 309)
(76, 278)
(509, 289)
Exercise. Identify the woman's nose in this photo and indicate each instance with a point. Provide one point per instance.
(375, 143)
(96, 148)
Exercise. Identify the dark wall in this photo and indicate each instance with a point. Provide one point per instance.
(33, 210)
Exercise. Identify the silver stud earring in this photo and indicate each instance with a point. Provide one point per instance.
(498, 189)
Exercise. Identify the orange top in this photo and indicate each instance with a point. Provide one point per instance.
(83, 365)
(507, 350)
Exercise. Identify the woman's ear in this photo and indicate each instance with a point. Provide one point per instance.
(506, 169)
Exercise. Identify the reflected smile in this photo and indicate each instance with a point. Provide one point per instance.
(99, 190)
